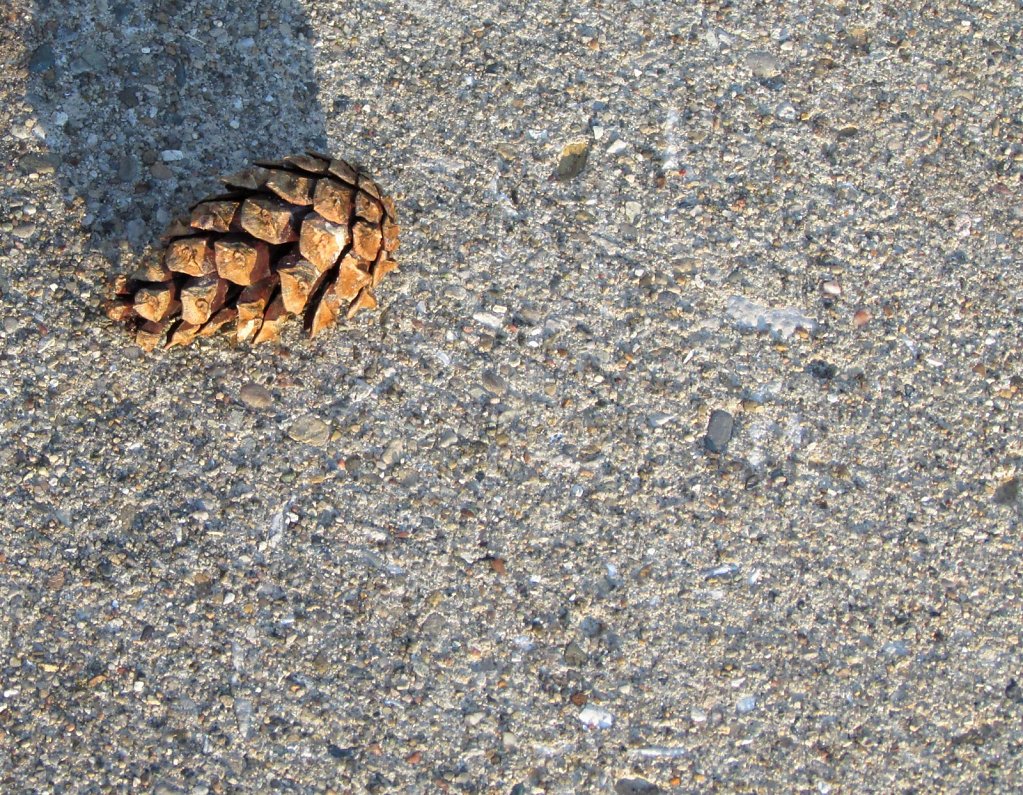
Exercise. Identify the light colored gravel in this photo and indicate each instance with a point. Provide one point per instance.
(478, 541)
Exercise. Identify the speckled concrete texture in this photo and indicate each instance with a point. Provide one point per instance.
(683, 454)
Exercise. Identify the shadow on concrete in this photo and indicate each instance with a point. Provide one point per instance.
(145, 103)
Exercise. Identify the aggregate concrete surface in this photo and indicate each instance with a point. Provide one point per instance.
(683, 455)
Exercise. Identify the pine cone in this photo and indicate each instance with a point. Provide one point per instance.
(310, 236)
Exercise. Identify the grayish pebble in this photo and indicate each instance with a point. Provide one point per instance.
(494, 383)
(311, 430)
(636, 786)
(719, 431)
(255, 395)
(659, 419)
(42, 59)
(38, 164)
(764, 65)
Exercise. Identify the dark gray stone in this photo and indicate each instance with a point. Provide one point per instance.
(719, 431)
(822, 370)
(127, 168)
(635, 786)
(1007, 493)
(42, 59)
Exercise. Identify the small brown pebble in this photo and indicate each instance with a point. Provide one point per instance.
(861, 318)
(579, 698)
(256, 396)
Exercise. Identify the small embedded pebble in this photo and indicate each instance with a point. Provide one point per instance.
(595, 718)
(723, 572)
(636, 786)
(861, 318)
(433, 625)
(455, 292)
(127, 168)
(160, 171)
(392, 453)
(822, 370)
(785, 111)
(337, 752)
(255, 395)
(494, 384)
(573, 159)
(617, 147)
(859, 37)
(895, 648)
(38, 164)
(128, 97)
(659, 419)
(42, 59)
(746, 704)
(311, 430)
(574, 654)
(1008, 492)
(763, 65)
(719, 431)
(488, 319)
(24, 230)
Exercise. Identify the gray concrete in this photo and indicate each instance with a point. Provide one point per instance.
(488, 539)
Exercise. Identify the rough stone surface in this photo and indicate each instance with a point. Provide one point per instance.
(192, 601)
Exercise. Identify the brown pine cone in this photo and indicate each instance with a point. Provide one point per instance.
(310, 236)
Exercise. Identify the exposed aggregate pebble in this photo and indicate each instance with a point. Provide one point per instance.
(500, 536)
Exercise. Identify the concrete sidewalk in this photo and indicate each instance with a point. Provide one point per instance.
(683, 454)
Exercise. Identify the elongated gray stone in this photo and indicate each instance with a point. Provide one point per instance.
(719, 431)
